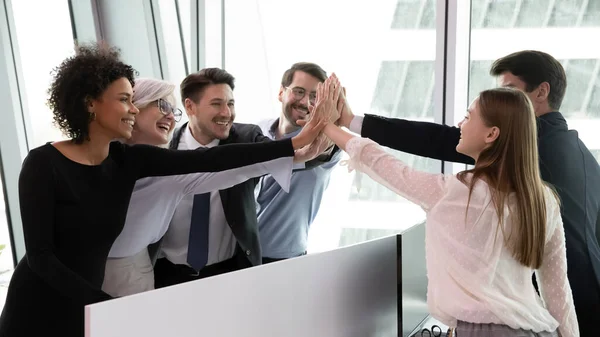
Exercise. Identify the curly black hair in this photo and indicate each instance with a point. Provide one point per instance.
(80, 78)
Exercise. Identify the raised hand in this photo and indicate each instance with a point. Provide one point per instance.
(317, 120)
(328, 94)
(346, 115)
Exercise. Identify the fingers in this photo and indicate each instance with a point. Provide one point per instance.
(336, 91)
(301, 122)
(327, 88)
(319, 92)
(340, 104)
(322, 124)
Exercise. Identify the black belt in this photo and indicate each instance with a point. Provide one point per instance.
(213, 269)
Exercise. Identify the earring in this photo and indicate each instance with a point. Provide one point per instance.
(92, 116)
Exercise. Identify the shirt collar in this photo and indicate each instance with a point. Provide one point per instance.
(191, 142)
(273, 130)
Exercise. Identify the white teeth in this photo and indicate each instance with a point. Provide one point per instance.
(222, 123)
(301, 110)
(129, 121)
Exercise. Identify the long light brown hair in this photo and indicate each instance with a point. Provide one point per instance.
(510, 165)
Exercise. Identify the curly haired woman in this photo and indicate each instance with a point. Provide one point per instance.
(74, 194)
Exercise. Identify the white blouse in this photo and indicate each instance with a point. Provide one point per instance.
(154, 200)
(472, 275)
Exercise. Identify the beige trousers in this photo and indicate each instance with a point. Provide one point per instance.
(128, 275)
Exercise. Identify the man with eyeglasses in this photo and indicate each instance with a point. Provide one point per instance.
(284, 218)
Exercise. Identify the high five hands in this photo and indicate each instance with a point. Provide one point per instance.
(327, 110)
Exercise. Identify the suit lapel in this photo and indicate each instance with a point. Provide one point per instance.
(174, 143)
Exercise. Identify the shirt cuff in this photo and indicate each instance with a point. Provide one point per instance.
(356, 124)
(281, 171)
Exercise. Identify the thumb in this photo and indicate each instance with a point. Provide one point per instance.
(311, 108)
(301, 122)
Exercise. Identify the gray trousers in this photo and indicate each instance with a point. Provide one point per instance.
(464, 329)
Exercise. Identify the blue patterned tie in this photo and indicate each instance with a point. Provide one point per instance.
(197, 255)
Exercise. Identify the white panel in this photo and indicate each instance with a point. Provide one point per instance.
(129, 25)
(350, 292)
(440, 65)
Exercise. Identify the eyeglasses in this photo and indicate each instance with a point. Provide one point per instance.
(166, 108)
(300, 92)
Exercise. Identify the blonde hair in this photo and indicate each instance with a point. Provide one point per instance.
(510, 165)
(148, 90)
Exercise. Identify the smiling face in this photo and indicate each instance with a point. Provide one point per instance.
(152, 126)
(296, 97)
(475, 135)
(114, 111)
(213, 115)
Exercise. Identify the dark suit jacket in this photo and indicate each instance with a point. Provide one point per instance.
(238, 201)
(565, 162)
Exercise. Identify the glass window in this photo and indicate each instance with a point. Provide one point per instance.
(494, 35)
(382, 76)
(567, 13)
(212, 50)
(40, 51)
(173, 44)
(184, 15)
(534, 13)
(414, 14)
(6, 257)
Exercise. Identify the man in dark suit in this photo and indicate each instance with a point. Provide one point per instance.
(229, 240)
(565, 162)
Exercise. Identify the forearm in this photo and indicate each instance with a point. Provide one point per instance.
(424, 139)
(280, 169)
(65, 281)
(154, 161)
(337, 135)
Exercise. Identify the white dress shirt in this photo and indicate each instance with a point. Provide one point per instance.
(155, 199)
(472, 276)
(221, 241)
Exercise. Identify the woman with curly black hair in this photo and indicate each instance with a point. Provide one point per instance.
(74, 194)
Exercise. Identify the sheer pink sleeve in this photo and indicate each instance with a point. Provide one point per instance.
(552, 276)
(424, 189)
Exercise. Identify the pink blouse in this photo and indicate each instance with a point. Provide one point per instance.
(472, 275)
